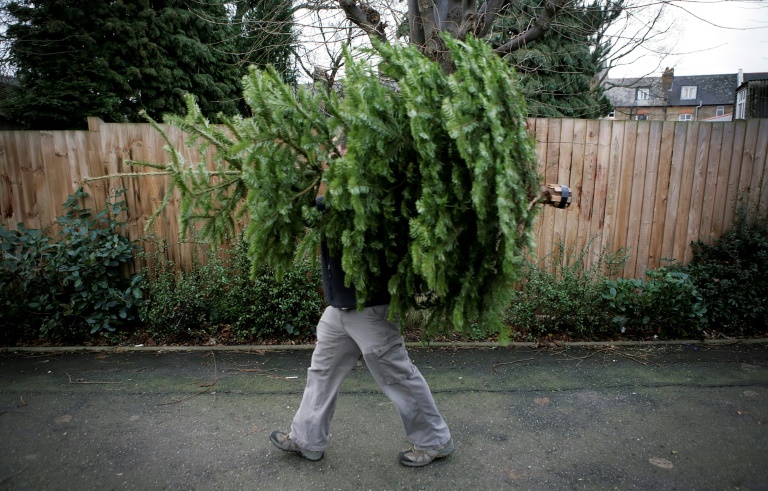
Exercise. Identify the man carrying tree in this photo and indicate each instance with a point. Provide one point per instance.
(430, 210)
(343, 334)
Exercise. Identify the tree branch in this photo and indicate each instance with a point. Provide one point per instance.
(539, 27)
(487, 14)
(366, 18)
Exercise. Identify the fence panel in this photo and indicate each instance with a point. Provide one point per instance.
(649, 186)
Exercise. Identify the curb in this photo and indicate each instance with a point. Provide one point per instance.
(410, 345)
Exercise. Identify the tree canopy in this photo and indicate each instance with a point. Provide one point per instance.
(561, 70)
(113, 59)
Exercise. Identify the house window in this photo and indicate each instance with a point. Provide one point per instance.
(641, 117)
(612, 115)
(720, 111)
(741, 105)
(688, 92)
(685, 117)
(643, 94)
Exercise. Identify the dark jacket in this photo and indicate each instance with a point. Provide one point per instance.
(336, 293)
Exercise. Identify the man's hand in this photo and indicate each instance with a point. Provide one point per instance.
(557, 195)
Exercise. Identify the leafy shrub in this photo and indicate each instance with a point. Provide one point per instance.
(70, 286)
(221, 293)
(179, 305)
(562, 296)
(667, 304)
(732, 277)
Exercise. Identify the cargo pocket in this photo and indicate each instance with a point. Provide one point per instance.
(393, 362)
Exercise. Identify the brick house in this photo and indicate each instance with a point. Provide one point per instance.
(677, 98)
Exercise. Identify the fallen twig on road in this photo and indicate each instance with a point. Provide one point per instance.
(613, 350)
(508, 363)
(81, 381)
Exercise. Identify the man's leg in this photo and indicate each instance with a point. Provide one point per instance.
(386, 357)
(334, 356)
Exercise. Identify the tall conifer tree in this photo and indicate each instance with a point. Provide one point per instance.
(113, 59)
(560, 70)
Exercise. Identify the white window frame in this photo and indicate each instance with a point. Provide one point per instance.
(720, 111)
(688, 92)
(643, 93)
(685, 117)
(612, 114)
(741, 105)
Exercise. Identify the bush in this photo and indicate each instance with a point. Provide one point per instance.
(71, 286)
(667, 304)
(562, 296)
(222, 294)
(732, 277)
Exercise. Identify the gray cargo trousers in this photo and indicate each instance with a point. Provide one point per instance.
(341, 337)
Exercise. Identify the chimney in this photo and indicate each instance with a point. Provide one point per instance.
(666, 80)
(740, 78)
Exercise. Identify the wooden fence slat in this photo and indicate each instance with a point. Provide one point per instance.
(637, 191)
(758, 202)
(710, 185)
(734, 175)
(57, 167)
(624, 191)
(647, 200)
(662, 194)
(94, 167)
(33, 184)
(748, 161)
(614, 177)
(697, 189)
(552, 162)
(586, 191)
(563, 176)
(597, 232)
(721, 187)
(575, 181)
(686, 190)
(54, 174)
(675, 183)
(10, 183)
(637, 198)
(541, 131)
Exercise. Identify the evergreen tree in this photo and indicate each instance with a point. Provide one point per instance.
(560, 70)
(438, 184)
(112, 59)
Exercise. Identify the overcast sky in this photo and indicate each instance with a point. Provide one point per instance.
(732, 35)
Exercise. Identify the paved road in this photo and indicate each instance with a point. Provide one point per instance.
(661, 417)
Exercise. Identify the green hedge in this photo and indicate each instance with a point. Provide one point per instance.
(69, 286)
(221, 294)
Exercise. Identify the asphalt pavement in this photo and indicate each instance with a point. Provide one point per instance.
(680, 416)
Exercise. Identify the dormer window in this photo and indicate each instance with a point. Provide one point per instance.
(643, 94)
(688, 92)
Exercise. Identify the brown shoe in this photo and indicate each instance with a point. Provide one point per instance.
(283, 442)
(419, 457)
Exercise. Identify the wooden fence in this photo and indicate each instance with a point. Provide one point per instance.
(652, 187)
